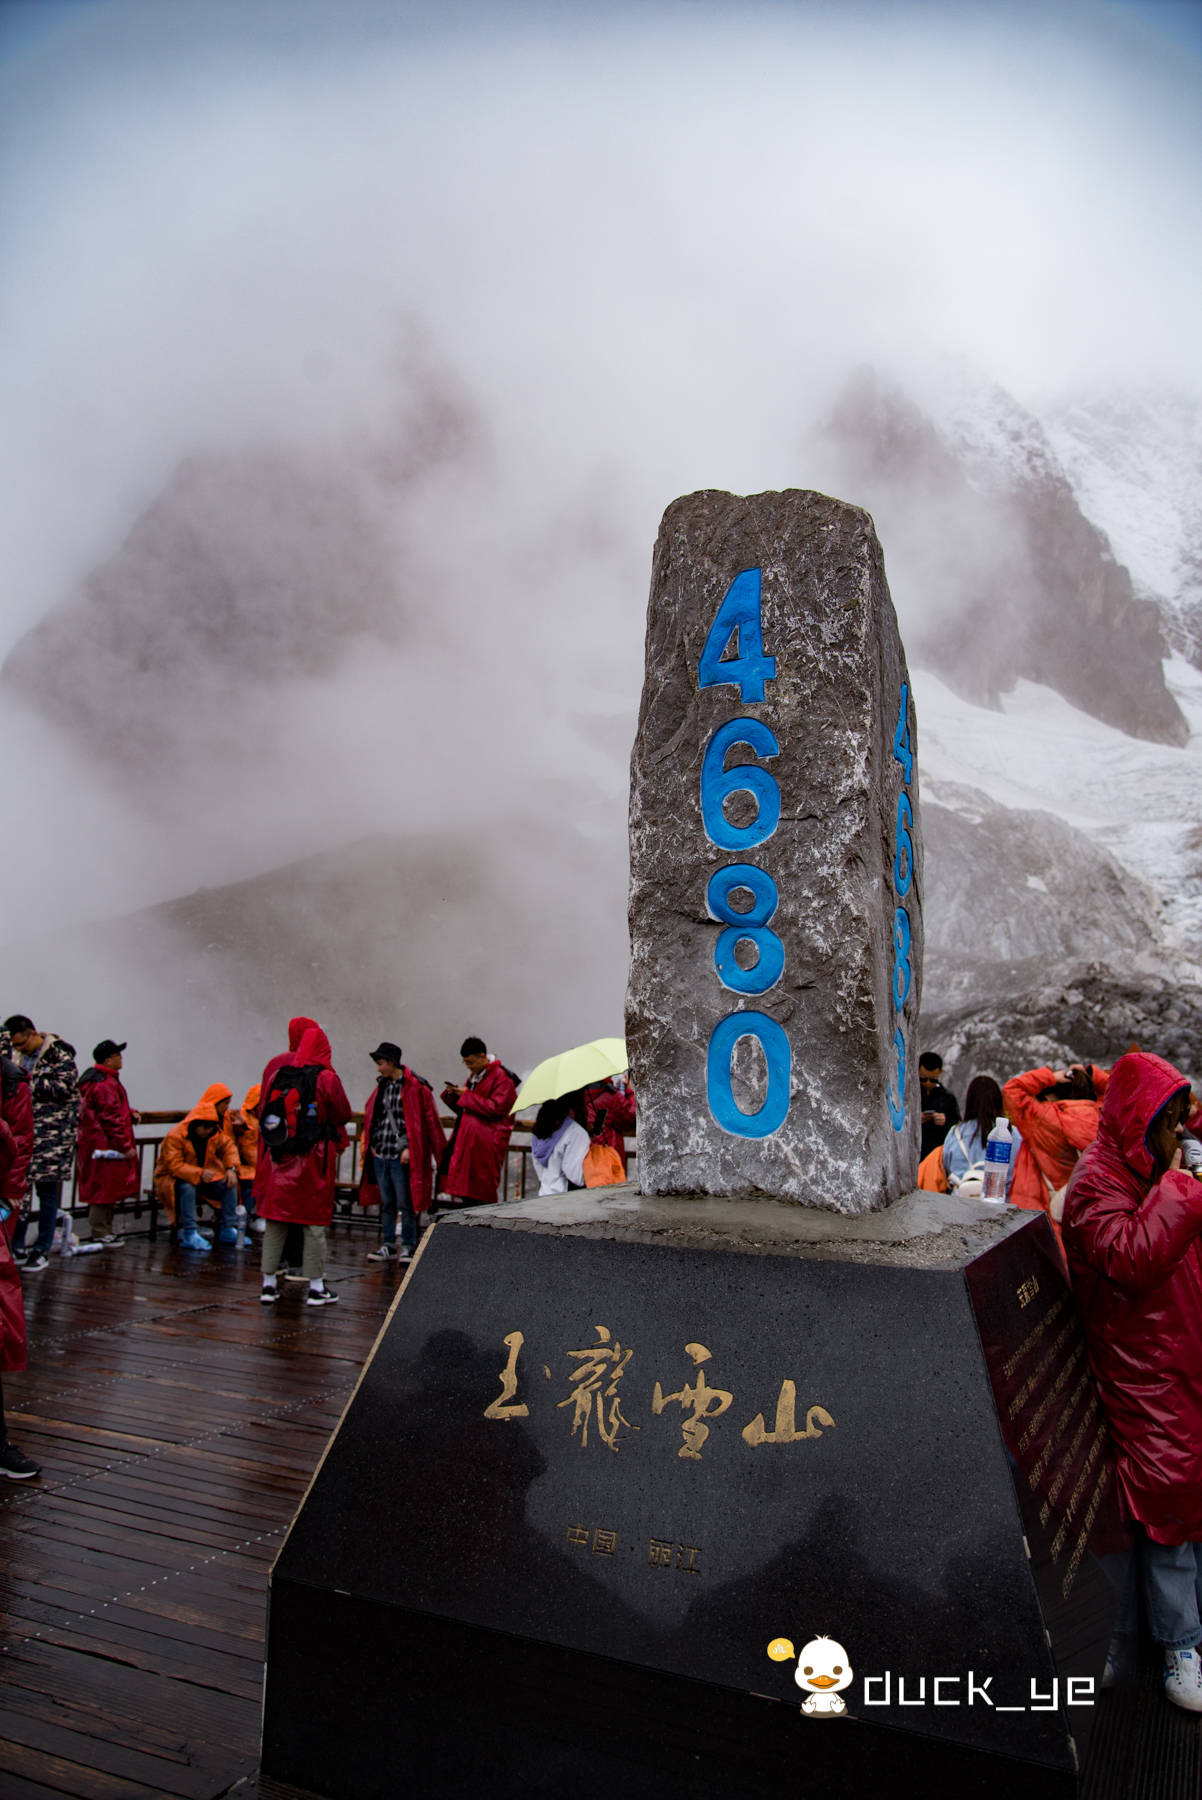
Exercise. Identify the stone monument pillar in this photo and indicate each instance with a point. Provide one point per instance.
(761, 1480)
(776, 861)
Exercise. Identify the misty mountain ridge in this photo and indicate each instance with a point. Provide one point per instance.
(990, 555)
(1059, 777)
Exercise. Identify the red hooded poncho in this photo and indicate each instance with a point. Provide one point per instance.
(1134, 1248)
(296, 1030)
(299, 1190)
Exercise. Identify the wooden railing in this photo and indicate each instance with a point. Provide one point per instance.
(518, 1178)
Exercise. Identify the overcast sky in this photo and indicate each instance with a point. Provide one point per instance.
(653, 234)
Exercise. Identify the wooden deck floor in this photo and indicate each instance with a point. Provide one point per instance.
(178, 1422)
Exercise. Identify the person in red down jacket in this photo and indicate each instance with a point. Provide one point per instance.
(16, 1150)
(471, 1168)
(1057, 1113)
(610, 1113)
(1133, 1237)
(106, 1155)
(303, 1111)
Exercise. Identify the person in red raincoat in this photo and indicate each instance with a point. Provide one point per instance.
(106, 1155)
(16, 1150)
(609, 1113)
(294, 1243)
(1133, 1236)
(1057, 1113)
(398, 1165)
(299, 1186)
(471, 1168)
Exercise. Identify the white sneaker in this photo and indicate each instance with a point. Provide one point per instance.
(1183, 1679)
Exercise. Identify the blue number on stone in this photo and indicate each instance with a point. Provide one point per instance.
(897, 1108)
(901, 957)
(718, 783)
(739, 617)
(904, 853)
(772, 1041)
(749, 927)
(903, 751)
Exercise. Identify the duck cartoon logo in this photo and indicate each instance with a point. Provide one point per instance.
(823, 1668)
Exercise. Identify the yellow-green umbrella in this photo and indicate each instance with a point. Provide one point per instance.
(572, 1069)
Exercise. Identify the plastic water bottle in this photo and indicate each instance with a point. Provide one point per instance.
(999, 1147)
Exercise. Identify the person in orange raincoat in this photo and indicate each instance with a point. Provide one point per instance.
(200, 1163)
(1057, 1113)
(16, 1149)
(242, 1124)
(303, 1113)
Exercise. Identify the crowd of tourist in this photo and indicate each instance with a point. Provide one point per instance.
(1112, 1157)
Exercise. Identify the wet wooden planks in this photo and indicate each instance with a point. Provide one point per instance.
(178, 1423)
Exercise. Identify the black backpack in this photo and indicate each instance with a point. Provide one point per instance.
(288, 1121)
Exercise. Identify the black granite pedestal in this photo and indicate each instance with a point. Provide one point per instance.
(610, 1449)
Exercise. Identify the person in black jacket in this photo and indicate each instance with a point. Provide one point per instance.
(940, 1108)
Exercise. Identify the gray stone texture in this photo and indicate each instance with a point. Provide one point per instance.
(833, 707)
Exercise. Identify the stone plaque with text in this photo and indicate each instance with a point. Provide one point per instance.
(588, 1488)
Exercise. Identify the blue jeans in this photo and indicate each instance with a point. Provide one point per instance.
(49, 1195)
(247, 1191)
(218, 1192)
(392, 1178)
(1173, 1591)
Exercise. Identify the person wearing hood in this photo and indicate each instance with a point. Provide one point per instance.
(49, 1062)
(294, 1243)
(242, 1125)
(402, 1141)
(198, 1159)
(106, 1154)
(475, 1157)
(1132, 1234)
(1057, 1112)
(303, 1113)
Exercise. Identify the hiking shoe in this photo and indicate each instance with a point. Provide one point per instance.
(268, 1295)
(19, 1257)
(192, 1240)
(15, 1466)
(323, 1296)
(33, 1261)
(1183, 1679)
(386, 1253)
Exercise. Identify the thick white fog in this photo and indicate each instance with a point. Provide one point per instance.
(509, 279)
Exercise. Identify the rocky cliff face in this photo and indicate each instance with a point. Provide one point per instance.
(1029, 1016)
(996, 571)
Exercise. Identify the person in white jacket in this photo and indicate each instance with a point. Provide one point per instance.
(558, 1145)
